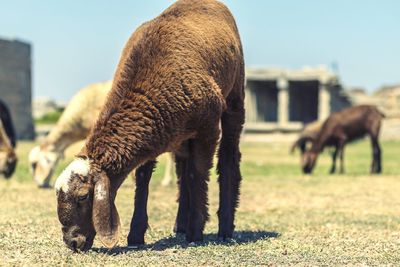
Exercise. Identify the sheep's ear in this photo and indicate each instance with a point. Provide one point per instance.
(105, 215)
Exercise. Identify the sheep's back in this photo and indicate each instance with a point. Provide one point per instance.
(171, 82)
(81, 112)
(189, 39)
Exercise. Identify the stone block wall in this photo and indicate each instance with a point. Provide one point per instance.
(15, 85)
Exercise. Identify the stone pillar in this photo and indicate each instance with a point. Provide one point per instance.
(250, 105)
(283, 101)
(323, 101)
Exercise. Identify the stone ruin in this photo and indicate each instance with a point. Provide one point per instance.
(279, 100)
(16, 85)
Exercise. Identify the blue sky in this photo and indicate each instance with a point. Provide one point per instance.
(76, 43)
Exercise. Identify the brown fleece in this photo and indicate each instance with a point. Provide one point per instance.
(167, 85)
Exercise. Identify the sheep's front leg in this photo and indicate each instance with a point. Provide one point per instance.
(139, 221)
(201, 153)
(376, 150)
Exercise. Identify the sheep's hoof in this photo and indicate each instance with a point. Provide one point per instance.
(225, 235)
(135, 241)
(45, 186)
(376, 170)
(190, 238)
(133, 246)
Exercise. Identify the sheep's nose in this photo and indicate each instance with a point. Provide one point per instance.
(77, 243)
(74, 245)
(307, 170)
(73, 239)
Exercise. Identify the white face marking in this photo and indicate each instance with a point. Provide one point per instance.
(44, 157)
(42, 163)
(78, 166)
(99, 194)
(34, 154)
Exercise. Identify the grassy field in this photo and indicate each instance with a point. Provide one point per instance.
(284, 218)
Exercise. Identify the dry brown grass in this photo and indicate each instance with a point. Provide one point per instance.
(284, 218)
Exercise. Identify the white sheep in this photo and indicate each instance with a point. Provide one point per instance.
(74, 125)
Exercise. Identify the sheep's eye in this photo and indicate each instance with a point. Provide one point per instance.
(83, 198)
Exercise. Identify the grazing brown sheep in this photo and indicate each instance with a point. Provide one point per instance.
(8, 157)
(343, 127)
(180, 77)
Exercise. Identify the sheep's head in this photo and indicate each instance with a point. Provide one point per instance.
(303, 143)
(8, 161)
(42, 161)
(86, 206)
(308, 161)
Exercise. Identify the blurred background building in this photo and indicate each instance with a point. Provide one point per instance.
(15, 85)
(388, 98)
(284, 100)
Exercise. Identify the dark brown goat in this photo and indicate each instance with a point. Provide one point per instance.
(180, 77)
(343, 127)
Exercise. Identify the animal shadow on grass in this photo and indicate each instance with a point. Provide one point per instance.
(178, 241)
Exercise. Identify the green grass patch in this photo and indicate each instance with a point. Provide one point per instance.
(50, 118)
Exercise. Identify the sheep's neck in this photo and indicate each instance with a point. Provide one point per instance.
(61, 137)
(119, 143)
(320, 143)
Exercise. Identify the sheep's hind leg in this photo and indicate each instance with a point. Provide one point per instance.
(139, 221)
(201, 153)
(376, 150)
(181, 161)
(341, 155)
(376, 155)
(229, 165)
(334, 154)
